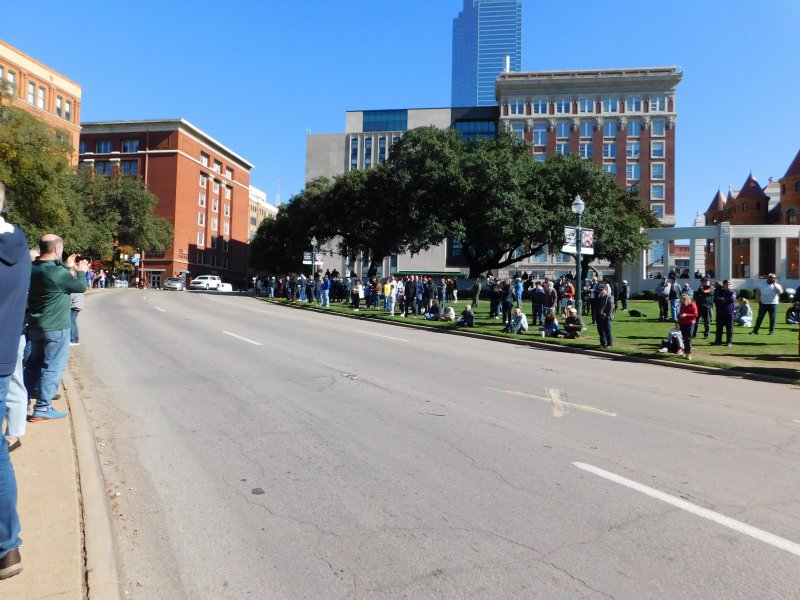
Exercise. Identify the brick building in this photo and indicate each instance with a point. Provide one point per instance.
(203, 190)
(260, 209)
(41, 91)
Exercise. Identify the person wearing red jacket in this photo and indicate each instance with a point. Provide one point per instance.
(687, 316)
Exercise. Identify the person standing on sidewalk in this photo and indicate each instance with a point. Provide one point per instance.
(49, 323)
(769, 295)
(15, 268)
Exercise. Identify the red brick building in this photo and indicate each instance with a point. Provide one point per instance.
(203, 190)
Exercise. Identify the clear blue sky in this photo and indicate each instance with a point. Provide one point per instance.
(256, 74)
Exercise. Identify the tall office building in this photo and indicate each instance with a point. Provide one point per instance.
(484, 33)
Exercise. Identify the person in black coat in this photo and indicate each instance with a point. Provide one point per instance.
(603, 313)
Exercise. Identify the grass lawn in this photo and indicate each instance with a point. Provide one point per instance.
(775, 355)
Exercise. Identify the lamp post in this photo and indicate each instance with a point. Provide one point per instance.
(578, 207)
(314, 258)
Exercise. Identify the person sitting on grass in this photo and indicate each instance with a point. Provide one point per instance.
(449, 315)
(435, 312)
(518, 323)
(793, 314)
(573, 325)
(467, 318)
(673, 343)
(744, 314)
(550, 326)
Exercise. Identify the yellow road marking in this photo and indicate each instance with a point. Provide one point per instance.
(558, 402)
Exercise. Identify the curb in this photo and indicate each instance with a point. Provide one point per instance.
(533, 343)
(102, 571)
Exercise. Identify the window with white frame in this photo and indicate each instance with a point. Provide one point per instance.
(560, 257)
(40, 101)
(657, 170)
(610, 105)
(562, 148)
(228, 172)
(539, 156)
(228, 192)
(68, 110)
(201, 219)
(585, 150)
(657, 191)
(609, 150)
(658, 210)
(227, 210)
(59, 104)
(518, 129)
(632, 172)
(214, 223)
(562, 129)
(216, 186)
(634, 128)
(610, 129)
(12, 83)
(215, 204)
(213, 242)
(227, 227)
(587, 129)
(203, 180)
(539, 134)
(516, 106)
(563, 106)
(585, 105)
(31, 92)
(217, 166)
(656, 149)
(539, 107)
(658, 127)
(130, 146)
(201, 238)
(204, 158)
(633, 104)
(658, 103)
(102, 147)
(201, 199)
(632, 149)
(610, 168)
(540, 256)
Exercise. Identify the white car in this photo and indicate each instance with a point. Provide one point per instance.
(205, 282)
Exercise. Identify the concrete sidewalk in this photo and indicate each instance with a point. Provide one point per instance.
(67, 544)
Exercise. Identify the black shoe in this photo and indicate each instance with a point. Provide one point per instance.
(10, 564)
(754, 332)
(17, 443)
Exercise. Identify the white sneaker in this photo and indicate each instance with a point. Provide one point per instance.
(74, 343)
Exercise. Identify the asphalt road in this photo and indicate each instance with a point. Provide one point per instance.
(256, 451)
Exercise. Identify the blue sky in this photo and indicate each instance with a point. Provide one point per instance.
(257, 74)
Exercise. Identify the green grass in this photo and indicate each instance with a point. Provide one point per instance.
(775, 355)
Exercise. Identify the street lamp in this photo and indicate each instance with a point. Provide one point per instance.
(578, 207)
(314, 257)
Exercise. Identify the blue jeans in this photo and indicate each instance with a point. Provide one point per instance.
(675, 307)
(16, 410)
(46, 364)
(9, 520)
(74, 336)
(326, 297)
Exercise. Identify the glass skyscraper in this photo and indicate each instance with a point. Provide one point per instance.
(484, 33)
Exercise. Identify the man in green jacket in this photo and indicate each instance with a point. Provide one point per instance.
(49, 323)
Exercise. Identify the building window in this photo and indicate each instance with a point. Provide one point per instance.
(227, 227)
(518, 129)
(562, 129)
(632, 171)
(68, 110)
(129, 146)
(381, 149)
(539, 156)
(227, 210)
(610, 105)
(203, 180)
(42, 98)
(658, 210)
(633, 104)
(228, 172)
(585, 150)
(59, 104)
(385, 120)
(658, 104)
(587, 129)
(609, 150)
(539, 134)
(214, 223)
(797, 186)
(791, 216)
(657, 171)
(745, 206)
(216, 186)
(610, 168)
(215, 204)
(634, 128)
(228, 192)
(632, 150)
(103, 147)
(354, 153)
(539, 107)
(31, 92)
(562, 148)
(516, 107)
(560, 257)
(199, 254)
(214, 242)
(130, 168)
(201, 199)
(217, 166)
(201, 219)
(367, 152)
(102, 168)
(657, 127)
(585, 105)
(563, 106)
(657, 191)
(204, 159)
(12, 83)
(610, 129)
(657, 149)
(225, 245)
(201, 241)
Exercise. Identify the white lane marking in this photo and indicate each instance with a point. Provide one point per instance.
(388, 337)
(159, 308)
(744, 528)
(244, 339)
(561, 403)
(796, 420)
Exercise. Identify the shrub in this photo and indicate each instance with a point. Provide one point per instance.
(645, 295)
(746, 294)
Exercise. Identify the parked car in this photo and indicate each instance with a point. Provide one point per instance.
(205, 282)
(174, 283)
(225, 287)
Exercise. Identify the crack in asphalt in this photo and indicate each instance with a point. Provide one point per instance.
(480, 468)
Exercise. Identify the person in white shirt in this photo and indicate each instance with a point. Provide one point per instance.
(769, 295)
